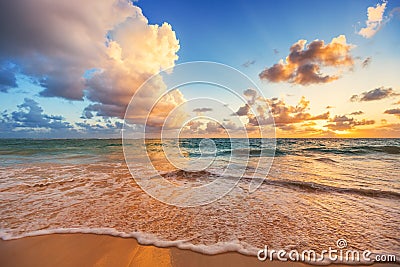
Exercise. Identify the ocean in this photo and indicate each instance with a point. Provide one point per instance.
(316, 192)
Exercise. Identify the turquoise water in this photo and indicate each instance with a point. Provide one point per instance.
(317, 191)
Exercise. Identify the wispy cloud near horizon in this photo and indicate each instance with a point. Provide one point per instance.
(375, 94)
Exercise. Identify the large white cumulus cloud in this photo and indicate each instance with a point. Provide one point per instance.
(103, 50)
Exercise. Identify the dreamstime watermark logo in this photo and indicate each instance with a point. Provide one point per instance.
(338, 254)
(198, 99)
(341, 243)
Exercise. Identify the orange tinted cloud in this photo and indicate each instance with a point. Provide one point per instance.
(135, 51)
(343, 123)
(286, 114)
(161, 111)
(101, 51)
(260, 111)
(205, 127)
(384, 130)
(304, 62)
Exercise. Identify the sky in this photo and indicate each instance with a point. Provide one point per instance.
(76, 69)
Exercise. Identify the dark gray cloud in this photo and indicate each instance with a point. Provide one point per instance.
(251, 96)
(375, 94)
(202, 110)
(242, 111)
(7, 78)
(354, 98)
(366, 62)
(357, 113)
(248, 63)
(343, 123)
(310, 73)
(87, 114)
(395, 111)
(103, 110)
(108, 128)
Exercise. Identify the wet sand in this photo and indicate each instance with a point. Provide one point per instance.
(65, 250)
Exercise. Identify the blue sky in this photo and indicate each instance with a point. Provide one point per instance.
(251, 36)
(234, 32)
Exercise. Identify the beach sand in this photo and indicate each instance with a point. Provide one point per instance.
(102, 250)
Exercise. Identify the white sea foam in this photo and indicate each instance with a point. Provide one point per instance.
(304, 203)
(145, 239)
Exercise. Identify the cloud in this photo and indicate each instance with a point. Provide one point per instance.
(108, 128)
(55, 42)
(136, 51)
(193, 128)
(251, 96)
(248, 63)
(366, 62)
(297, 120)
(73, 52)
(375, 20)
(286, 114)
(375, 94)
(343, 123)
(242, 111)
(304, 62)
(289, 127)
(274, 110)
(31, 117)
(357, 113)
(395, 111)
(394, 12)
(209, 128)
(309, 123)
(160, 116)
(202, 110)
(30, 120)
(195, 125)
(354, 98)
(7, 78)
(214, 128)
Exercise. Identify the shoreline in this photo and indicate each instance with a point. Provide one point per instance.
(84, 249)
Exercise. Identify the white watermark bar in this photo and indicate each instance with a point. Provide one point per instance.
(338, 254)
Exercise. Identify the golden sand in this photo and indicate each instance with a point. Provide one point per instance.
(82, 250)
